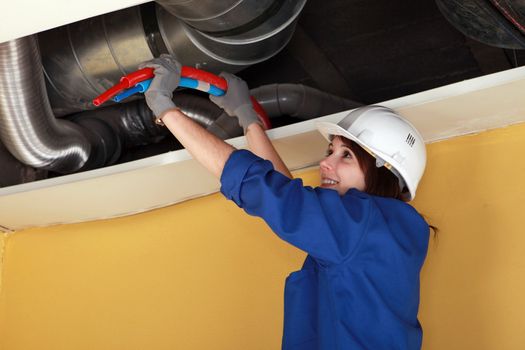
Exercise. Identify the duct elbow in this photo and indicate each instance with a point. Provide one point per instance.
(300, 101)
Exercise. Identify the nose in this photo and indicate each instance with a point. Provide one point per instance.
(326, 163)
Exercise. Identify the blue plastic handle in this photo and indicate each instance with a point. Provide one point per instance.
(139, 87)
(184, 82)
(201, 86)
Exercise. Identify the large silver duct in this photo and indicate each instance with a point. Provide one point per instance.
(27, 125)
(234, 37)
(83, 59)
(219, 16)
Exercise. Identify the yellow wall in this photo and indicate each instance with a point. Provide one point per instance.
(202, 275)
(473, 281)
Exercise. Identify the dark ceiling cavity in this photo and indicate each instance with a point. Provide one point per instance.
(362, 51)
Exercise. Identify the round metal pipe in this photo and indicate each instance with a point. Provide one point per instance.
(83, 59)
(233, 51)
(217, 16)
(297, 100)
(28, 127)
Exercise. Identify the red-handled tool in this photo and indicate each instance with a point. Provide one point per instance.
(136, 77)
(131, 79)
(201, 75)
(221, 83)
(126, 82)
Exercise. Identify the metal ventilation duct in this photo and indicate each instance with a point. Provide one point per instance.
(27, 125)
(221, 16)
(83, 59)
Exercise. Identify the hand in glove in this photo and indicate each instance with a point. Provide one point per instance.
(159, 95)
(236, 101)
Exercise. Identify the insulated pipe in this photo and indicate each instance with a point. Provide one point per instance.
(14, 172)
(28, 127)
(225, 127)
(200, 109)
(132, 123)
(297, 100)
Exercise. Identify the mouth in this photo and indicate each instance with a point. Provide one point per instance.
(327, 182)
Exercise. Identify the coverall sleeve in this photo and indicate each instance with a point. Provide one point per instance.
(317, 221)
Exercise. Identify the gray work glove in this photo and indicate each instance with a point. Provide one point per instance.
(167, 77)
(236, 101)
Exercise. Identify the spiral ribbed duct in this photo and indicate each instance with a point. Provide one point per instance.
(28, 127)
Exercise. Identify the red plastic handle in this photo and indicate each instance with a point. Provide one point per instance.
(126, 82)
(221, 83)
(197, 74)
(110, 93)
(136, 77)
(133, 78)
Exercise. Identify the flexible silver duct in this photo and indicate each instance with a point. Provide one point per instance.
(28, 127)
(297, 100)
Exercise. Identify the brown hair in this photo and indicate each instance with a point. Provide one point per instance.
(378, 181)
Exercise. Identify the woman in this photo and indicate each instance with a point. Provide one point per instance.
(359, 285)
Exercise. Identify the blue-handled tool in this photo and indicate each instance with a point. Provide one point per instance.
(142, 86)
(139, 87)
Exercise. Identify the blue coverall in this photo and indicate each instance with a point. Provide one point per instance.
(359, 285)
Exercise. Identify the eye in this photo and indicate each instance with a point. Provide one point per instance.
(328, 153)
(347, 154)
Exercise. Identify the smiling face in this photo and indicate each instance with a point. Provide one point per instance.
(340, 169)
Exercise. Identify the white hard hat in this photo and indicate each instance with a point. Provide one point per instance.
(387, 136)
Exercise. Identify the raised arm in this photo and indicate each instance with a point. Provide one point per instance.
(296, 213)
(261, 145)
(236, 103)
(205, 147)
